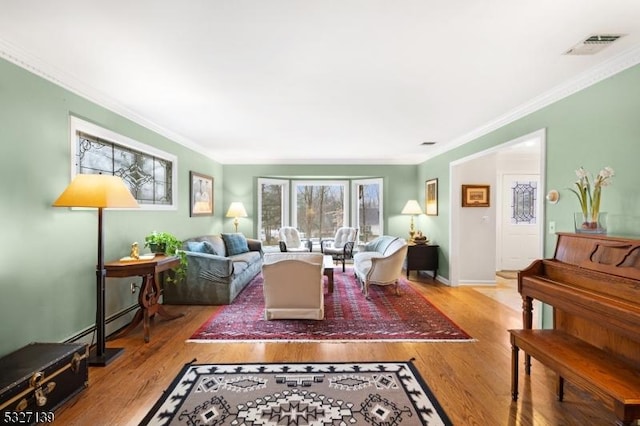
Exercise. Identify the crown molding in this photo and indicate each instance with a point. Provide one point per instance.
(36, 66)
(598, 73)
(588, 78)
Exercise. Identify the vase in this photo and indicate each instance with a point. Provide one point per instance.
(158, 248)
(587, 224)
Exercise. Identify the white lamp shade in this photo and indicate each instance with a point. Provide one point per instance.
(236, 209)
(97, 191)
(412, 207)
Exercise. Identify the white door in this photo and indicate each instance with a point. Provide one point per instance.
(520, 221)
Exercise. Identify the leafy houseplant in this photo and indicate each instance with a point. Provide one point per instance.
(590, 201)
(164, 242)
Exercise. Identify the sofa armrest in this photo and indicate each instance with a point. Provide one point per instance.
(387, 269)
(254, 245)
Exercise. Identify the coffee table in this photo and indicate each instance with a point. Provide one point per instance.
(327, 264)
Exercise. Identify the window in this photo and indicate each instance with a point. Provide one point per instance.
(149, 173)
(367, 208)
(320, 208)
(273, 208)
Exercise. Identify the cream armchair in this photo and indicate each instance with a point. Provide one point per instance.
(380, 262)
(340, 247)
(290, 240)
(293, 286)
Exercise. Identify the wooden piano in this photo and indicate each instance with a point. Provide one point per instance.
(593, 285)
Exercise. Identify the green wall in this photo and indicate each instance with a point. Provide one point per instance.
(594, 128)
(240, 184)
(47, 275)
(47, 266)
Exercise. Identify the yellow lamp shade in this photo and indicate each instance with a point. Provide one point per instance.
(97, 191)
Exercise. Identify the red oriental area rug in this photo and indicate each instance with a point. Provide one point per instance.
(348, 317)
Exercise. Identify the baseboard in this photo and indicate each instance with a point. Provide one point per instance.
(477, 282)
(114, 323)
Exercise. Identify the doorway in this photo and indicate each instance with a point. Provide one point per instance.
(518, 214)
(476, 234)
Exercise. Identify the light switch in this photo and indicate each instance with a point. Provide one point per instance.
(552, 227)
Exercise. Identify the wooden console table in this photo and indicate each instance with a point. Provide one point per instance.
(149, 290)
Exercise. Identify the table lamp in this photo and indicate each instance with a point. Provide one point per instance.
(100, 192)
(236, 210)
(412, 208)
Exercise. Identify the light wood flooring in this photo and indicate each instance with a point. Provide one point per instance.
(471, 380)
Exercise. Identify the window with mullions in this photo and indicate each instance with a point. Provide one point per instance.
(149, 173)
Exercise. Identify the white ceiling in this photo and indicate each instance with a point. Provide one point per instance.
(319, 81)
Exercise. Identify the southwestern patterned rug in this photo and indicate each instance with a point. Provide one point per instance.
(348, 316)
(375, 393)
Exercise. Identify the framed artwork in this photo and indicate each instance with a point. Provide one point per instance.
(201, 194)
(475, 195)
(431, 197)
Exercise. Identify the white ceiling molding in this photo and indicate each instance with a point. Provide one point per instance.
(34, 65)
(598, 73)
(603, 71)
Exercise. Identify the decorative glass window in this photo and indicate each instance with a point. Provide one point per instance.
(149, 173)
(523, 205)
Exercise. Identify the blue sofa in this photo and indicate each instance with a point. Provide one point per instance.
(216, 272)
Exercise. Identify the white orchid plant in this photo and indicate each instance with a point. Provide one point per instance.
(590, 201)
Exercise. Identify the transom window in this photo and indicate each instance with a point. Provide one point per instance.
(149, 173)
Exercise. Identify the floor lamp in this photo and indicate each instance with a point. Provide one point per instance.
(236, 210)
(100, 192)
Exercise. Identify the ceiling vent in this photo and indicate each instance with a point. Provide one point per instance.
(593, 44)
(428, 143)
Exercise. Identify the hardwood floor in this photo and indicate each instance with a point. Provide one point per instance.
(471, 380)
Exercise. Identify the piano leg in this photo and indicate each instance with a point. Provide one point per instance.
(527, 313)
(560, 387)
(514, 370)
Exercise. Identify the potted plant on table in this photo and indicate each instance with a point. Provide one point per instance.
(169, 244)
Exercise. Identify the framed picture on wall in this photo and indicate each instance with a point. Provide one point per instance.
(475, 196)
(431, 197)
(201, 194)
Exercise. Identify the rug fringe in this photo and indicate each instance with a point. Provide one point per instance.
(334, 341)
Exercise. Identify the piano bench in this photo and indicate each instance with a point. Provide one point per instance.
(588, 367)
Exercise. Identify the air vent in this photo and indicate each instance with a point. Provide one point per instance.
(593, 44)
(428, 143)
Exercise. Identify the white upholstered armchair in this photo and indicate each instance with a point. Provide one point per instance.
(293, 286)
(380, 262)
(290, 240)
(340, 247)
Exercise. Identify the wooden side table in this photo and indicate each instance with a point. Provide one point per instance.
(422, 257)
(327, 264)
(149, 290)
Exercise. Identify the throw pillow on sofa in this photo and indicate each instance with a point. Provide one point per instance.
(235, 244)
(201, 247)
